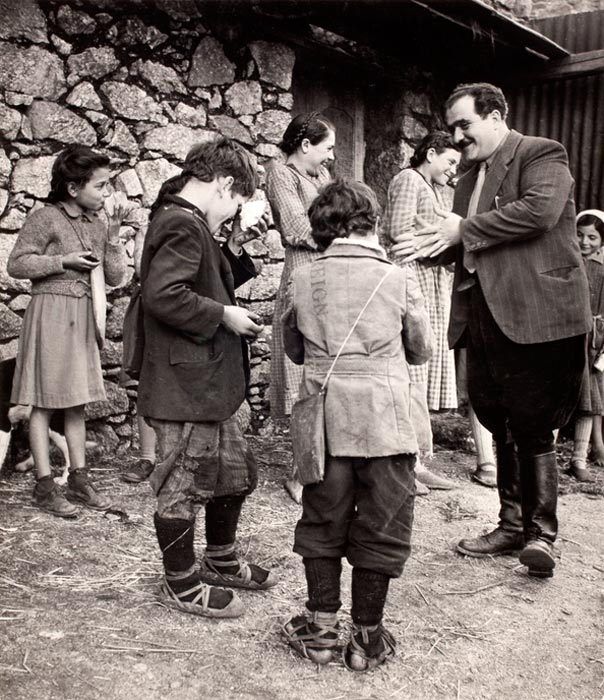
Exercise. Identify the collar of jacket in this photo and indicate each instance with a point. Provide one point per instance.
(175, 200)
(496, 172)
(353, 250)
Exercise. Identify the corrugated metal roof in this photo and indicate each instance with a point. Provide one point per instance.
(569, 111)
(580, 32)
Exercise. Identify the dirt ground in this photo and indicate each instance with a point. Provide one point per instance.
(79, 619)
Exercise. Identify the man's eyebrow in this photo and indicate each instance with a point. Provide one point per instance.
(458, 123)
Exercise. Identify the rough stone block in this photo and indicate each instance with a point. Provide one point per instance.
(23, 20)
(51, 121)
(32, 175)
(244, 97)
(175, 139)
(33, 71)
(210, 66)
(275, 62)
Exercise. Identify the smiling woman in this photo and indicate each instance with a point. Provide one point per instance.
(308, 144)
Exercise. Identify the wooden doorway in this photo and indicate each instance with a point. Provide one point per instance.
(329, 91)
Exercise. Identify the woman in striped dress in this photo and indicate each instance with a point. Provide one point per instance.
(308, 144)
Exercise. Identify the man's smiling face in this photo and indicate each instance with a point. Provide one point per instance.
(477, 136)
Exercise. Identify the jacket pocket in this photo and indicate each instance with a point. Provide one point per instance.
(184, 352)
(560, 273)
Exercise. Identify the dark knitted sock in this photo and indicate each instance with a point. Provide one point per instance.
(369, 591)
(323, 582)
(222, 518)
(175, 537)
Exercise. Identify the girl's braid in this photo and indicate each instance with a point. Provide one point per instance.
(302, 131)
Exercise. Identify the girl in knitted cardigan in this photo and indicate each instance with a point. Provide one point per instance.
(58, 363)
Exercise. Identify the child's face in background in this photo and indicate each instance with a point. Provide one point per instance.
(93, 194)
(590, 239)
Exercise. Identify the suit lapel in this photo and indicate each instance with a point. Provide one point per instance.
(497, 171)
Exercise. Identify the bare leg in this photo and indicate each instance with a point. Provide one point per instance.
(578, 461)
(486, 470)
(597, 443)
(147, 440)
(75, 434)
(38, 440)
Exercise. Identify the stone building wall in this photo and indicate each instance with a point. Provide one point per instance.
(141, 87)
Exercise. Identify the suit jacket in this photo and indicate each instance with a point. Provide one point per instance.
(194, 369)
(524, 238)
(367, 404)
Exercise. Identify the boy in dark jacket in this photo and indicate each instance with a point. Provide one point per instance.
(194, 375)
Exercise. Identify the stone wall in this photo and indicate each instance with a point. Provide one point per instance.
(142, 87)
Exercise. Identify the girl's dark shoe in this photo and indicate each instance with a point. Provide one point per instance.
(53, 501)
(138, 472)
(313, 637)
(580, 474)
(81, 490)
(368, 648)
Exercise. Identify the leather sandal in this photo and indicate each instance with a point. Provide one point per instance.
(356, 657)
(209, 571)
(313, 637)
(485, 475)
(199, 604)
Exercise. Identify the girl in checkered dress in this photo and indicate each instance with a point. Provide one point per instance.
(291, 186)
(416, 192)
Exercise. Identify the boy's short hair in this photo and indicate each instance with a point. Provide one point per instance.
(221, 158)
(342, 207)
(74, 164)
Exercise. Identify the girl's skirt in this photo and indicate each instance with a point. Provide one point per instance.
(58, 363)
(591, 401)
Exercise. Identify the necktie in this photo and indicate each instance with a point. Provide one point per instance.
(468, 258)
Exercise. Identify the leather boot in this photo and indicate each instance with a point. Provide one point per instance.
(539, 474)
(507, 537)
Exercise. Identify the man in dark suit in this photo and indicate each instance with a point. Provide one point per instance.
(520, 306)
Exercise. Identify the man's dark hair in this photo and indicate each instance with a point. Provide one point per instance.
(74, 164)
(438, 140)
(206, 161)
(487, 98)
(342, 207)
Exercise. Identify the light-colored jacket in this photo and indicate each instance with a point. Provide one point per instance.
(367, 400)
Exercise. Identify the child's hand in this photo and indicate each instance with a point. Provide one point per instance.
(241, 321)
(116, 207)
(83, 261)
(240, 236)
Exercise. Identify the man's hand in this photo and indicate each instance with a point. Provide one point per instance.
(241, 321)
(429, 240)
